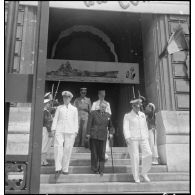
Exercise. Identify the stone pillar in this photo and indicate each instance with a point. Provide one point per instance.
(173, 139)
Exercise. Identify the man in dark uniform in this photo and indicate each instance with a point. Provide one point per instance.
(83, 105)
(53, 103)
(99, 124)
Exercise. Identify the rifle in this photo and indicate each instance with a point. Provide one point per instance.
(56, 90)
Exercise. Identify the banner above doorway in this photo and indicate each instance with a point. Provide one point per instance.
(92, 71)
(156, 7)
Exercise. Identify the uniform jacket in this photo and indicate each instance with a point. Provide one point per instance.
(96, 106)
(83, 105)
(99, 125)
(135, 126)
(47, 120)
(66, 119)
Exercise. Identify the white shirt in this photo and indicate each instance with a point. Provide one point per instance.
(65, 119)
(96, 106)
(135, 126)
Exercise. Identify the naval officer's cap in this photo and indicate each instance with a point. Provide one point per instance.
(83, 89)
(152, 105)
(47, 95)
(67, 94)
(136, 101)
(46, 101)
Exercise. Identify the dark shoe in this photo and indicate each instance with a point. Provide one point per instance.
(101, 173)
(57, 174)
(65, 173)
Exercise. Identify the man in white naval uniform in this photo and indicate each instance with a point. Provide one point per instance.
(65, 129)
(136, 133)
(96, 106)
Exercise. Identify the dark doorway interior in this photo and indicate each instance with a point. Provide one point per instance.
(116, 94)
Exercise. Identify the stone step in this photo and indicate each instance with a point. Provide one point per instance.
(108, 169)
(119, 177)
(113, 187)
(86, 150)
(87, 162)
(122, 155)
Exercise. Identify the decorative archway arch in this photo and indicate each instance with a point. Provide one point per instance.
(85, 28)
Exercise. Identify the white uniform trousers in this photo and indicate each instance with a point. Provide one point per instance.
(46, 144)
(63, 145)
(153, 145)
(133, 149)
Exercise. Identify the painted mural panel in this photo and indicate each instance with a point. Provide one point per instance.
(93, 71)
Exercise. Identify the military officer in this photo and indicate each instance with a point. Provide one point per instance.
(136, 134)
(96, 106)
(99, 124)
(53, 102)
(83, 105)
(65, 129)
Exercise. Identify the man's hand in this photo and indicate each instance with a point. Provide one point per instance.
(53, 133)
(110, 136)
(50, 134)
(128, 141)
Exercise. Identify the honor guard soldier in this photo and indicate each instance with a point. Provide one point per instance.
(53, 102)
(83, 105)
(136, 134)
(151, 121)
(46, 134)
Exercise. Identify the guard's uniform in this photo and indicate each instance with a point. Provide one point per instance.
(98, 126)
(46, 140)
(65, 123)
(135, 128)
(83, 105)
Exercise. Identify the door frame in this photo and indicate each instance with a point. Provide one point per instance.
(28, 164)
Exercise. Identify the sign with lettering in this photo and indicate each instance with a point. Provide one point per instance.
(157, 7)
(92, 71)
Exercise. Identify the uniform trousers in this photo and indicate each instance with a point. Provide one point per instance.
(46, 144)
(97, 148)
(152, 142)
(81, 136)
(133, 149)
(63, 145)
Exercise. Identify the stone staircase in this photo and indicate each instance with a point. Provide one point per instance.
(82, 180)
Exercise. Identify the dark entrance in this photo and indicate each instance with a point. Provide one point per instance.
(98, 36)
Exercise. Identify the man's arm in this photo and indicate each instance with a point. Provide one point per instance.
(108, 109)
(126, 129)
(89, 104)
(89, 123)
(47, 120)
(93, 106)
(75, 102)
(76, 121)
(55, 120)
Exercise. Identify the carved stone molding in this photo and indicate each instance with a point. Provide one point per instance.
(85, 28)
(15, 175)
